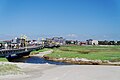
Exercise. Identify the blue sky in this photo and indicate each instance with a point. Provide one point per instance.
(72, 19)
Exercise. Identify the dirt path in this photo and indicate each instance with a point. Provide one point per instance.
(41, 54)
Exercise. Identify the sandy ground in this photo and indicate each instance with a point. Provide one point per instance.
(64, 72)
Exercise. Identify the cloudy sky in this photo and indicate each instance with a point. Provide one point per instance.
(72, 19)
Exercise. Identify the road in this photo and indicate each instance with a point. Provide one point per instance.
(65, 72)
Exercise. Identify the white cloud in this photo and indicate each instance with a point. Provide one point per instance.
(72, 35)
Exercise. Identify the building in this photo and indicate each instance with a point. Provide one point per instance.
(72, 42)
(81, 43)
(89, 41)
(92, 42)
(19, 41)
(59, 40)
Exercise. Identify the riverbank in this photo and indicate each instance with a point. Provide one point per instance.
(7, 68)
(48, 71)
(86, 55)
(82, 61)
(42, 58)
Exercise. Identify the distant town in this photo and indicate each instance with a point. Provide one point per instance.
(50, 42)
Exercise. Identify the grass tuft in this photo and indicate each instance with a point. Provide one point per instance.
(3, 60)
(6, 69)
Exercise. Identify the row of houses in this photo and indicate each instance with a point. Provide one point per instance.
(92, 42)
(22, 42)
(54, 42)
(105, 42)
(17, 43)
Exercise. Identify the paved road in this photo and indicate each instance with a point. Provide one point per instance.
(65, 72)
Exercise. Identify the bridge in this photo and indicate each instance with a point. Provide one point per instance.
(23, 51)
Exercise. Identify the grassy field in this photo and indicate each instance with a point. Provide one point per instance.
(111, 53)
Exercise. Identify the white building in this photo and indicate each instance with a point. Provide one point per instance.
(94, 42)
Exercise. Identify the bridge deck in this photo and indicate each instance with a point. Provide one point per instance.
(8, 52)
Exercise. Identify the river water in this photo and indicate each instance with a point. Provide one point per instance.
(37, 60)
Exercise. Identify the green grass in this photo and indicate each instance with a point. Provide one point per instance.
(6, 69)
(3, 60)
(41, 50)
(111, 53)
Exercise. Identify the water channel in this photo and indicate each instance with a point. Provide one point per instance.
(36, 60)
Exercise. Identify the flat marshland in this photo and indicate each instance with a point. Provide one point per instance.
(111, 53)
